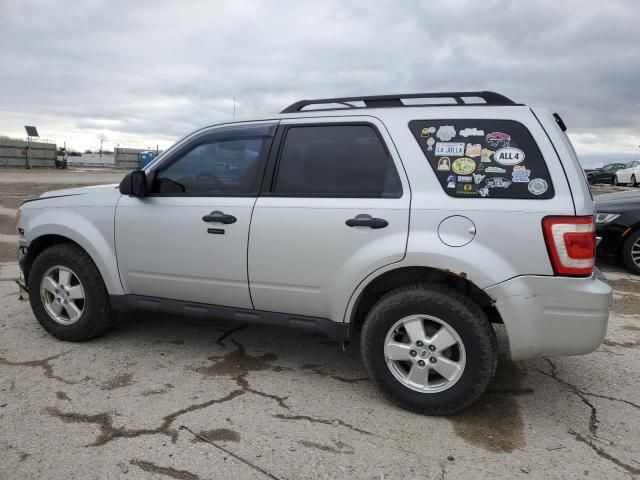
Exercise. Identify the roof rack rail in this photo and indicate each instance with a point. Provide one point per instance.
(386, 101)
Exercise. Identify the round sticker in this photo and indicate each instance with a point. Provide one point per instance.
(538, 186)
(463, 166)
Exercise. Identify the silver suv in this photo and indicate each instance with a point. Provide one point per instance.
(418, 221)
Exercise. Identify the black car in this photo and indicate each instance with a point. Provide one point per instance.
(604, 174)
(618, 224)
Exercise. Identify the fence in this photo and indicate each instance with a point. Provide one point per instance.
(13, 153)
(129, 158)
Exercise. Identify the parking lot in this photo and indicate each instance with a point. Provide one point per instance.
(167, 397)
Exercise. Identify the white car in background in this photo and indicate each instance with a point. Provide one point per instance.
(630, 174)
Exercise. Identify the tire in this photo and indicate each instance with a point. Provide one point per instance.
(454, 311)
(633, 182)
(631, 252)
(615, 181)
(591, 180)
(92, 315)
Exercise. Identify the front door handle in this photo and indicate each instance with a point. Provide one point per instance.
(366, 221)
(219, 217)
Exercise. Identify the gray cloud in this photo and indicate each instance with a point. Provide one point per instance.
(154, 70)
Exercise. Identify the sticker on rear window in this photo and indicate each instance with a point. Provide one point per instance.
(484, 158)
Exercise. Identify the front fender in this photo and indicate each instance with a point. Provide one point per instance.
(95, 234)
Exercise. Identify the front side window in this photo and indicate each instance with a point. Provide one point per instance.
(225, 163)
(484, 158)
(336, 161)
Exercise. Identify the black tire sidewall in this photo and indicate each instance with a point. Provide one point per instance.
(464, 317)
(96, 308)
(626, 252)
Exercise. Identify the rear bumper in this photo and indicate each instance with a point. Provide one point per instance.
(553, 315)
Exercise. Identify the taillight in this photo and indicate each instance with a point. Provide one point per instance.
(571, 243)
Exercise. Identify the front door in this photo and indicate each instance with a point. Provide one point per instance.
(336, 210)
(187, 240)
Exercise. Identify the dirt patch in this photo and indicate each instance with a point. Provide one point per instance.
(237, 363)
(632, 328)
(8, 252)
(626, 304)
(494, 422)
(630, 344)
(339, 447)
(119, 381)
(626, 285)
(166, 471)
(158, 391)
(8, 225)
(62, 396)
(218, 434)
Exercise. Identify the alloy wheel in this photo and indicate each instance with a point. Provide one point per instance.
(62, 295)
(424, 353)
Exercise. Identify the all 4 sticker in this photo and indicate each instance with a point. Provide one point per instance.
(449, 149)
(509, 156)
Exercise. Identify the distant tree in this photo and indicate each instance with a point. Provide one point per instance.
(88, 151)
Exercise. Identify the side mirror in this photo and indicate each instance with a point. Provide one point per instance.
(134, 184)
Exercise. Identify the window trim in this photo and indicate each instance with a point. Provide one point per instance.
(202, 138)
(273, 164)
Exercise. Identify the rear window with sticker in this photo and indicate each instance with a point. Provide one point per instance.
(484, 158)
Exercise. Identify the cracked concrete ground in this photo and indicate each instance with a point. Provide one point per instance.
(166, 397)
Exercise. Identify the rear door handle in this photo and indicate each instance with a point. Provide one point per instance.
(219, 217)
(366, 221)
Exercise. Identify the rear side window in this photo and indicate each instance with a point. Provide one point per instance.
(484, 158)
(336, 161)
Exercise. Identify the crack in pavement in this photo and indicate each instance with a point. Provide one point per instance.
(316, 369)
(594, 422)
(322, 421)
(237, 365)
(108, 432)
(44, 364)
(166, 471)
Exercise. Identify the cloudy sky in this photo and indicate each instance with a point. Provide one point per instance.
(143, 73)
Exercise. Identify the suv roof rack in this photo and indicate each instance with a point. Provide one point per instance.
(386, 101)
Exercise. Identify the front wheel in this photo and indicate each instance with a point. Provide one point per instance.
(591, 180)
(429, 349)
(633, 182)
(615, 180)
(67, 294)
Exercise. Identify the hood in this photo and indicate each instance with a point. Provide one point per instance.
(79, 190)
(626, 200)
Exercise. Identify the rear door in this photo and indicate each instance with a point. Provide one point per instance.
(335, 209)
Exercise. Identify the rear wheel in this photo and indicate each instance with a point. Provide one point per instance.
(67, 294)
(631, 252)
(429, 349)
(615, 180)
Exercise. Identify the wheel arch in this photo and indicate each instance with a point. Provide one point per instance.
(43, 232)
(407, 275)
